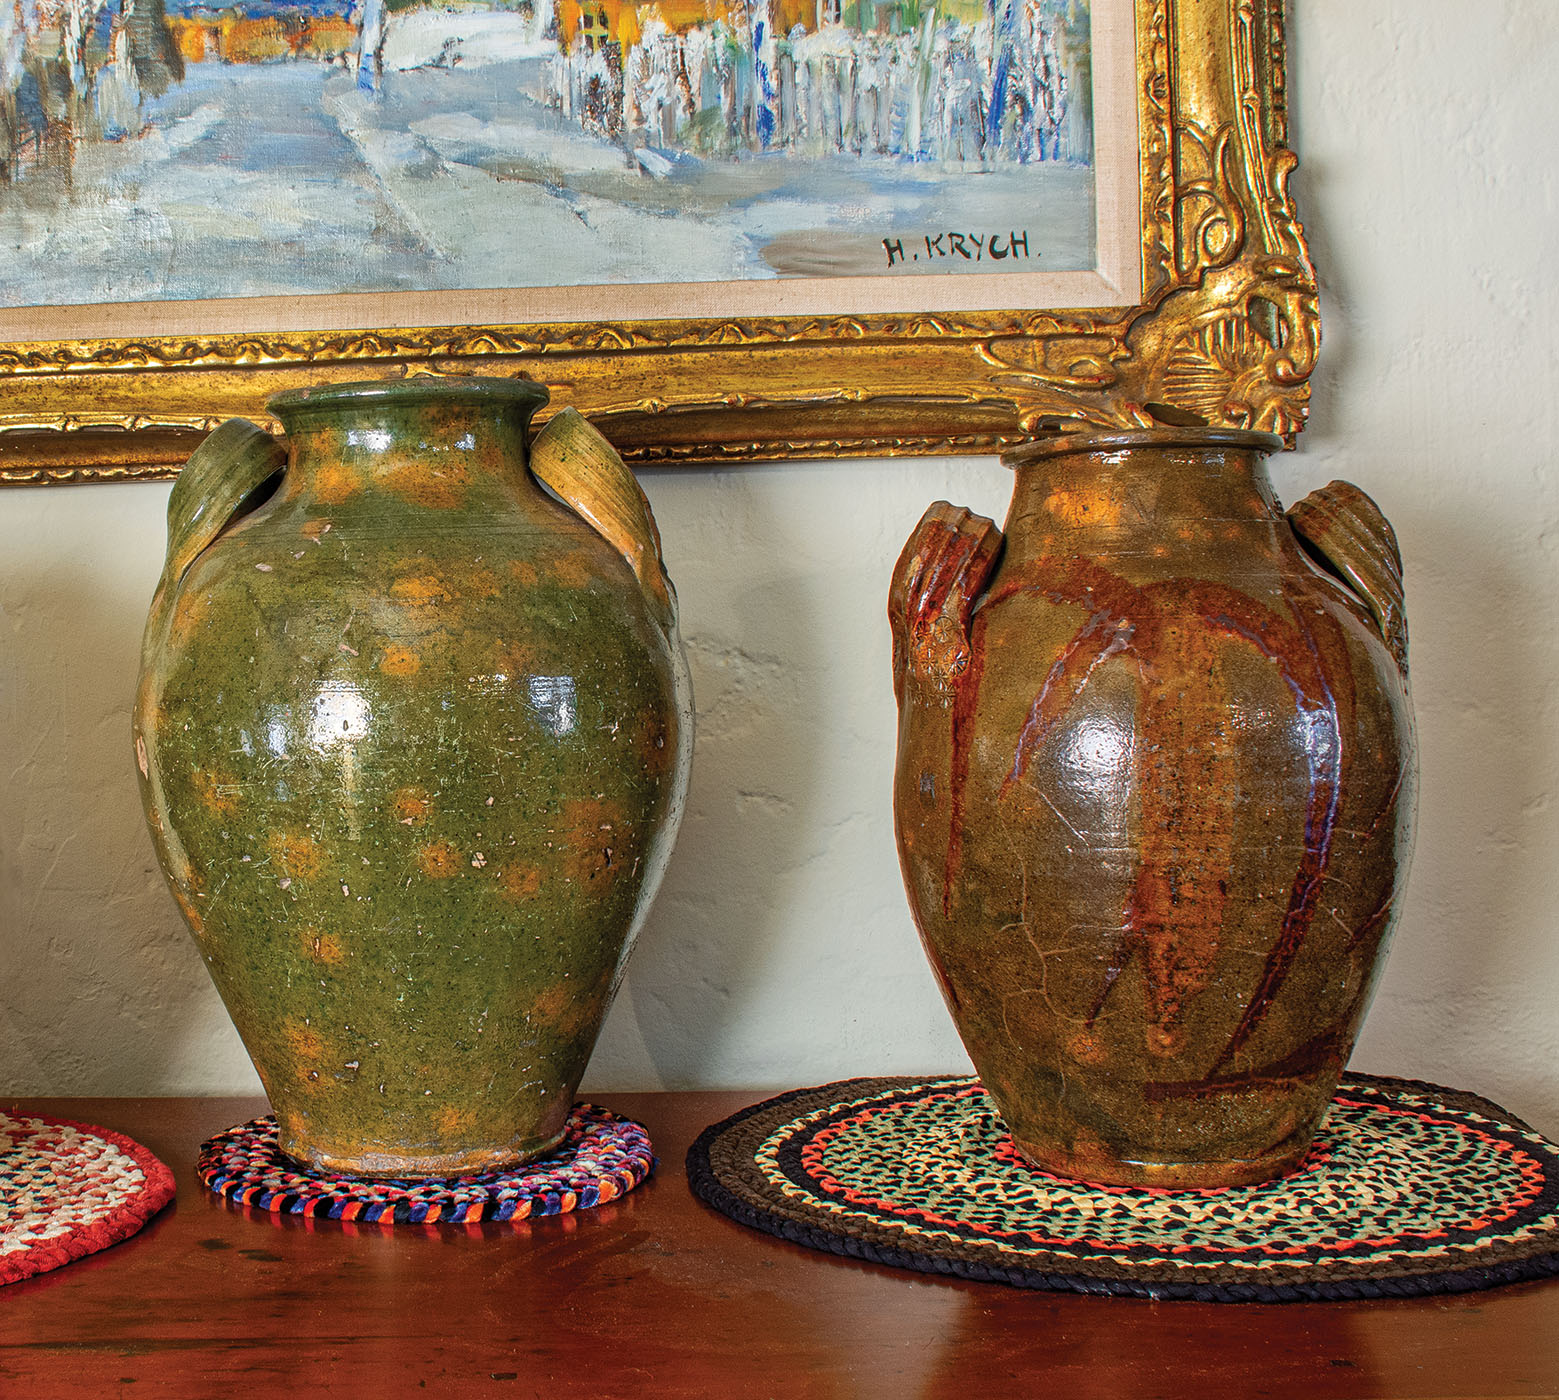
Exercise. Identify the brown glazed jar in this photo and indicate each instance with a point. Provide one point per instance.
(1154, 797)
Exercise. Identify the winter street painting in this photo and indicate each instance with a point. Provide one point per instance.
(173, 151)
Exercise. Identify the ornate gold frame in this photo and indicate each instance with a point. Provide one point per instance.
(1227, 326)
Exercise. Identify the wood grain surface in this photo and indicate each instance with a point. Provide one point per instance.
(656, 1295)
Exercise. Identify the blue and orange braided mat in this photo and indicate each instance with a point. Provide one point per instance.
(602, 1156)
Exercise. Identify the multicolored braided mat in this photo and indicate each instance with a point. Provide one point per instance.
(601, 1157)
(1409, 1189)
(68, 1190)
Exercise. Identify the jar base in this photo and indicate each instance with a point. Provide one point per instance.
(1100, 1169)
(430, 1165)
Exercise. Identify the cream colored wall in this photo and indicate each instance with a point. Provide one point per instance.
(781, 951)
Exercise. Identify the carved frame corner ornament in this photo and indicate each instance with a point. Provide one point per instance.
(1227, 328)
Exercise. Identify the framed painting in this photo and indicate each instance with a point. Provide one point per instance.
(723, 229)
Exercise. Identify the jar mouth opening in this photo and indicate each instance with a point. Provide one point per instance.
(523, 394)
(1071, 443)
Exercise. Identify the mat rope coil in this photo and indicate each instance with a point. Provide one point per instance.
(1409, 1189)
(602, 1156)
(68, 1190)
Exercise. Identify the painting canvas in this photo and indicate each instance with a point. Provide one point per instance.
(177, 150)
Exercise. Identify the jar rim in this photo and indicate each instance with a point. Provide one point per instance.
(1070, 442)
(521, 393)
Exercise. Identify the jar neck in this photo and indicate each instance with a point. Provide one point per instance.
(418, 455)
(1158, 499)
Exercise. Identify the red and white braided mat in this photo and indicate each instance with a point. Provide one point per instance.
(68, 1189)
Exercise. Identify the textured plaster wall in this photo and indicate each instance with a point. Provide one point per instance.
(781, 951)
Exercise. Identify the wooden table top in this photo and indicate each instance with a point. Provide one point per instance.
(656, 1295)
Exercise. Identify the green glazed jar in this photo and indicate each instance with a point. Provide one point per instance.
(413, 729)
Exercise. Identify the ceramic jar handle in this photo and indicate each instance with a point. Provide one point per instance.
(222, 473)
(1344, 531)
(575, 462)
(939, 577)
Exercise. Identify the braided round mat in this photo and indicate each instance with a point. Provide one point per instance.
(1409, 1189)
(67, 1189)
(601, 1157)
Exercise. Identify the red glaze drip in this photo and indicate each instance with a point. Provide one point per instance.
(966, 697)
(1171, 915)
(1307, 1060)
(1328, 715)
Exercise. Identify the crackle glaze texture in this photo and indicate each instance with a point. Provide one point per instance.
(413, 741)
(1154, 797)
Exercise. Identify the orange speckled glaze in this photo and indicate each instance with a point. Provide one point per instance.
(1154, 797)
(391, 735)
